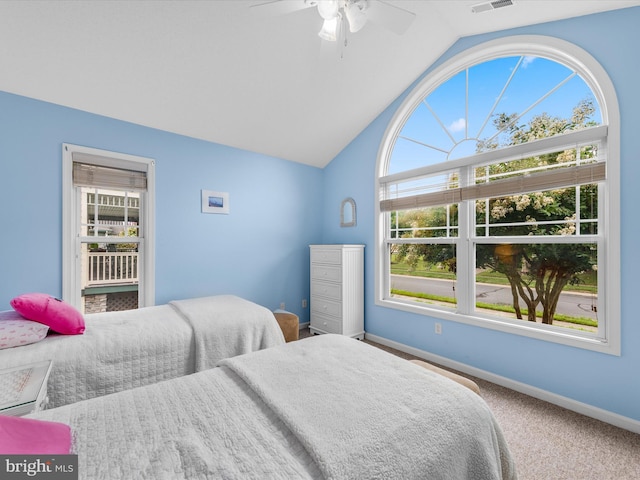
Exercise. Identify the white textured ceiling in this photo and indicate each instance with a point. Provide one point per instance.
(214, 70)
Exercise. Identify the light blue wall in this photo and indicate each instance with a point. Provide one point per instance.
(602, 381)
(278, 208)
(259, 251)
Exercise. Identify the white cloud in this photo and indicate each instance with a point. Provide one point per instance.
(458, 125)
(527, 61)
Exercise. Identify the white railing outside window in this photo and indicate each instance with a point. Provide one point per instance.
(112, 268)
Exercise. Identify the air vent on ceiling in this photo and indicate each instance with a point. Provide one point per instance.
(485, 7)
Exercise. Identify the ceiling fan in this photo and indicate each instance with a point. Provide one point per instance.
(338, 14)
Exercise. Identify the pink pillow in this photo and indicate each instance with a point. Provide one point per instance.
(27, 436)
(15, 330)
(59, 315)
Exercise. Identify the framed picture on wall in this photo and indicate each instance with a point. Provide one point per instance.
(215, 202)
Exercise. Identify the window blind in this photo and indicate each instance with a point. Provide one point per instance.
(557, 178)
(91, 175)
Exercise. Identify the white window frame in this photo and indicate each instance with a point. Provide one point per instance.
(71, 261)
(608, 340)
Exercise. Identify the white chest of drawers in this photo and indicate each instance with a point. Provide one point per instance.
(337, 289)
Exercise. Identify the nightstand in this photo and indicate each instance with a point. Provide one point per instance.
(23, 389)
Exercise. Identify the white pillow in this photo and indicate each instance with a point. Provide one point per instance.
(15, 330)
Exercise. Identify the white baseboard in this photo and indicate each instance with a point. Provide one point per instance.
(565, 402)
(302, 326)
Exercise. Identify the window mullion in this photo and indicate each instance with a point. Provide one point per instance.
(464, 249)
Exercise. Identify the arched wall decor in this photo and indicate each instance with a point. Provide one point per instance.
(348, 213)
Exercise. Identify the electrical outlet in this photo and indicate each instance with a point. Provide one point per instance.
(282, 306)
(438, 329)
(304, 303)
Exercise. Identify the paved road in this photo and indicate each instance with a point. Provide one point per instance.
(574, 304)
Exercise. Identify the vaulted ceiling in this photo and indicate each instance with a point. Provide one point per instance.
(216, 71)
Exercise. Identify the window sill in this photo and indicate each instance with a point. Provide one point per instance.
(537, 331)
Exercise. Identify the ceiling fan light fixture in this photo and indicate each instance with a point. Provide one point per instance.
(330, 29)
(354, 11)
(328, 9)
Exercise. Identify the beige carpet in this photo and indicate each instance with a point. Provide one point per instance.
(551, 443)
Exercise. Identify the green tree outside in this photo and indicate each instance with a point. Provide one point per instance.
(536, 272)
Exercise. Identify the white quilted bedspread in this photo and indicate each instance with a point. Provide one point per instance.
(241, 327)
(205, 425)
(123, 350)
(323, 407)
(118, 351)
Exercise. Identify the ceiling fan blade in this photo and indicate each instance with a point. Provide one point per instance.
(276, 8)
(389, 16)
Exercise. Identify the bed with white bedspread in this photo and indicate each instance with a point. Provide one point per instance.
(123, 350)
(323, 407)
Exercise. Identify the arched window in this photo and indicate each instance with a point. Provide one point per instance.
(497, 182)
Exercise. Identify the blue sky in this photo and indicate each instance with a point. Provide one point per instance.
(443, 122)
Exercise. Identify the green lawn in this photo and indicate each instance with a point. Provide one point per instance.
(583, 321)
(587, 285)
